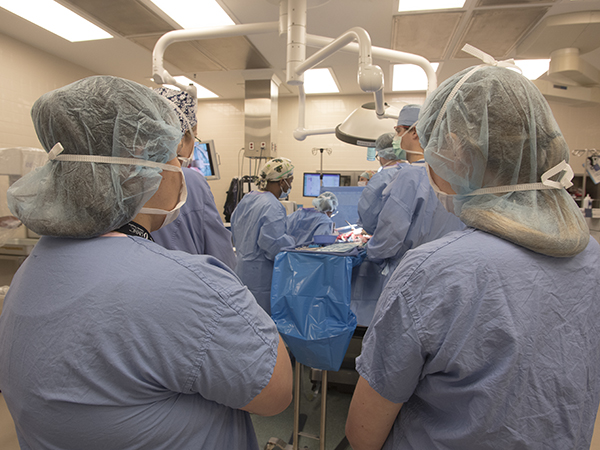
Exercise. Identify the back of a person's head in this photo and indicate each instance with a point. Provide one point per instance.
(184, 104)
(275, 170)
(326, 202)
(499, 122)
(99, 116)
(489, 127)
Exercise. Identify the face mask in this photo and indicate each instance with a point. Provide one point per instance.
(397, 143)
(185, 162)
(447, 200)
(362, 183)
(286, 193)
(170, 216)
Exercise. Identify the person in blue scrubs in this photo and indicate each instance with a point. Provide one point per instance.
(371, 200)
(258, 226)
(198, 229)
(488, 338)
(107, 339)
(305, 223)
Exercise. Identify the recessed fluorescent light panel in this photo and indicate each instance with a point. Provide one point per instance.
(56, 18)
(195, 13)
(201, 90)
(408, 77)
(320, 81)
(427, 5)
(533, 68)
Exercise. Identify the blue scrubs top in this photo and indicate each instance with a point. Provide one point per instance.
(411, 215)
(371, 199)
(258, 225)
(488, 345)
(116, 342)
(198, 229)
(304, 223)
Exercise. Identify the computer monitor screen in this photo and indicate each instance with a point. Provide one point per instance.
(331, 180)
(312, 183)
(205, 159)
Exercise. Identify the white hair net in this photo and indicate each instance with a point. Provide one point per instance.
(100, 116)
(273, 170)
(498, 130)
(326, 202)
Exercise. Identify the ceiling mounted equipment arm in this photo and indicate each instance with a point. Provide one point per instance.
(162, 76)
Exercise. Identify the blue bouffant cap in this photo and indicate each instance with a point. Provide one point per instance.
(408, 115)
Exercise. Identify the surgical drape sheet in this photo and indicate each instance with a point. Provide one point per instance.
(310, 304)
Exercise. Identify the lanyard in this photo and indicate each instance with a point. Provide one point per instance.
(135, 229)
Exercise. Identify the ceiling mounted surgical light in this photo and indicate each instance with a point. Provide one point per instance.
(362, 127)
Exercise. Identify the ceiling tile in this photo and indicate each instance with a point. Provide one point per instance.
(427, 35)
(209, 55)
(126, 17)
(511, 2)
(497, 31)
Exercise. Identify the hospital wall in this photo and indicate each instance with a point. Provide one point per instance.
(28, 72)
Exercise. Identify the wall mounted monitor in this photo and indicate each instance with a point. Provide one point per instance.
(313, 181)
(205, 159)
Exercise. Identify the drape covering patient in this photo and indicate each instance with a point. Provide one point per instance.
(108, 340)
(488, 338)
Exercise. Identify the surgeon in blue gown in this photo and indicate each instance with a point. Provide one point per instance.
(305, 223)
(198, 229)
(488, 338)
(258, 226)
(107, 339)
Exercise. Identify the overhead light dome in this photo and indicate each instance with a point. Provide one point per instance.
(362, 127)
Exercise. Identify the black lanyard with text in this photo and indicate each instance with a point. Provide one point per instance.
(135, 229)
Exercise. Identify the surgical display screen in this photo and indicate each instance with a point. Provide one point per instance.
(312, 183)
(201, 160)
(204, 159)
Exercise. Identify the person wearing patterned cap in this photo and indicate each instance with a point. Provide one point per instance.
(258, 225)
(198, 229)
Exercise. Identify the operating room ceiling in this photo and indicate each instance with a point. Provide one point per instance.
(502, 28)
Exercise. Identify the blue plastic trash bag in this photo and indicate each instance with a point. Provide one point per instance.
(310, 304)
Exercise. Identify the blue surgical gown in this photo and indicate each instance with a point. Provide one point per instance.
(304, 223)
(258, 226)
(116, 342)
(488, 345)
(411, 215)
(371, 199)
(198, 229)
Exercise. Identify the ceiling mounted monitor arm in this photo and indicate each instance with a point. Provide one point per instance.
(393, 56)
(160, 75)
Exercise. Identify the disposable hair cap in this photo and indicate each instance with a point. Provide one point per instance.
(99, 116)
(488, 127)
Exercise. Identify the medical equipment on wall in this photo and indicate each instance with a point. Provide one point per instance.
(293, 23)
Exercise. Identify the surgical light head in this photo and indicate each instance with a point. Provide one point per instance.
(326, 202)
(98, 116)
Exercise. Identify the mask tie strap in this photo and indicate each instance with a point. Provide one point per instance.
(564, 182)
(56, 155)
